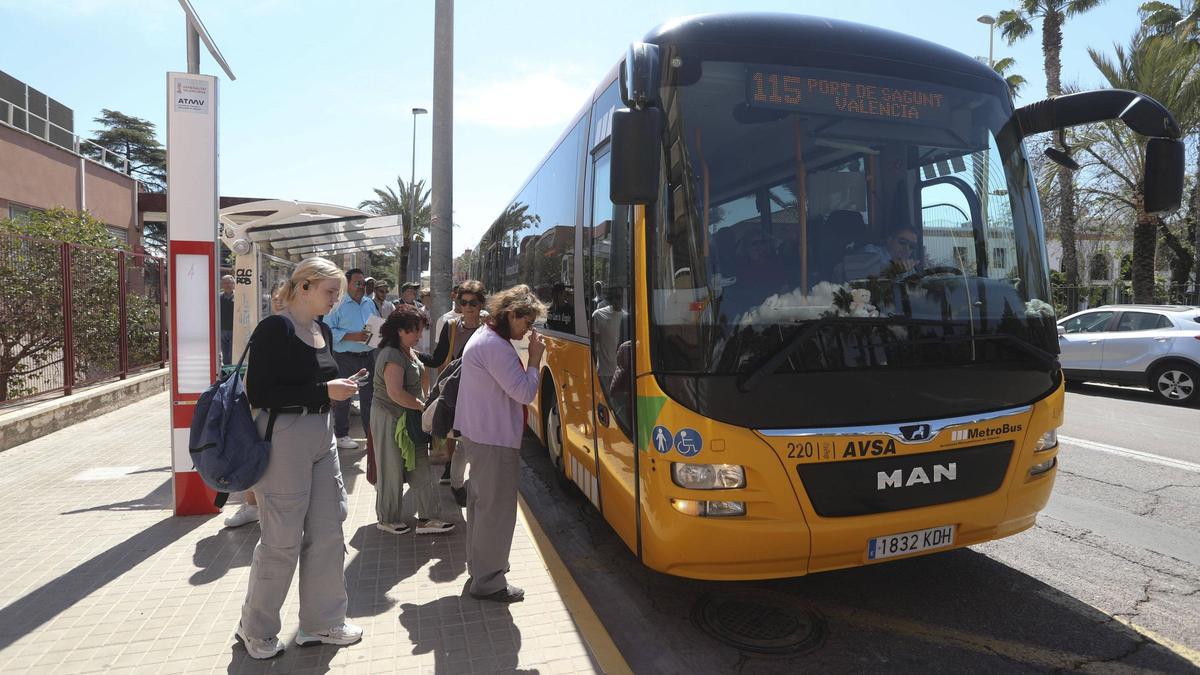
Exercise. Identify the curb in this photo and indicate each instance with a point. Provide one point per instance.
(38, 419)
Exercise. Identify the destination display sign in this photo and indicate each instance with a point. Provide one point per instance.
(838, 92)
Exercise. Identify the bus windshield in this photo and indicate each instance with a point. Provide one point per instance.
(822, 220)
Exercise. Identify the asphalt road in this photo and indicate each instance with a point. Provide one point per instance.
(1108, 579)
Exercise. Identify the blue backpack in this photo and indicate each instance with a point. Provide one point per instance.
(224, 443)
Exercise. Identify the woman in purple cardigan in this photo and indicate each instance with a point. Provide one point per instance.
(497, 387)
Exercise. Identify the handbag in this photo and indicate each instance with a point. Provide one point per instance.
(412, 422)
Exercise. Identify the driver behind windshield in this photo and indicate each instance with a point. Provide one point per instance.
(900, 251)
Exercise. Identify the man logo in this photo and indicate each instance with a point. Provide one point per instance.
(915, 432)
(918, 476)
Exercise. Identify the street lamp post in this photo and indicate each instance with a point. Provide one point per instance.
(412, 202)
(990, 22)
(986, 191)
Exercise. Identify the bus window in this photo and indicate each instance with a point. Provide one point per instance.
(610, 276)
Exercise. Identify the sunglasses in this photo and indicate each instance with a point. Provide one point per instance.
(907, 243)
(469, 303)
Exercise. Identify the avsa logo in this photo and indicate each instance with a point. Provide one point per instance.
(916, 476)
(873, 448)
(984, 433)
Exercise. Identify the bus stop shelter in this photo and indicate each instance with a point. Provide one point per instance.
(268, 239)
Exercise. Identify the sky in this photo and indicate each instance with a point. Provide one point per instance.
(321, 108)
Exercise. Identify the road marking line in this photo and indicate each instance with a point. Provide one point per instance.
(594, 634)
(1132, 454)
(1180, 650)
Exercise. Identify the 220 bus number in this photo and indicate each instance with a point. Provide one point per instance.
(805, 450)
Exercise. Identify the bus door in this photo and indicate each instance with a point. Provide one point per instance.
(609, 271)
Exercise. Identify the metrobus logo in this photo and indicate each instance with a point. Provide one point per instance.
(986, 432)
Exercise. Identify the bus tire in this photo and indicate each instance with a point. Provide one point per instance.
(553, 435)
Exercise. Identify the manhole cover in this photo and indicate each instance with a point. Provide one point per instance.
(759, 621)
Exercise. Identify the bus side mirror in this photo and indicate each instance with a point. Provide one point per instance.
(639, 76)
(1162, 179)
(636, 148)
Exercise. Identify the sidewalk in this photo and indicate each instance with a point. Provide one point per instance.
(99, 576)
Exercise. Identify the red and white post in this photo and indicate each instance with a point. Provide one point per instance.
(193, 268)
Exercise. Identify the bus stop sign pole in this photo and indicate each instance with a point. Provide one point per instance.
(191, 255)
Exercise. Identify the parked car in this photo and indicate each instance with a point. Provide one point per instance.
(1155, 346)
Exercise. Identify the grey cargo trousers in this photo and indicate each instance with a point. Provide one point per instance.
(302, 504)
(491, 512)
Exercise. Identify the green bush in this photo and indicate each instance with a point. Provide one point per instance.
(31, 317)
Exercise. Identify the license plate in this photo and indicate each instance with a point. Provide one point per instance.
(904, 543)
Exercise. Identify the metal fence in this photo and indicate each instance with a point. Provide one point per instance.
(74, 315)
(1071, 299)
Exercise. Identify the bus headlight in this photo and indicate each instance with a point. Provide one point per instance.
(714, 509)
(1039, 469)
(708, 476)
(1047, 441)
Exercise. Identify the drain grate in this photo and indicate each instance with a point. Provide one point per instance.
(760, 621)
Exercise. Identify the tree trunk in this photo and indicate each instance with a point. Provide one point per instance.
(1052, 22)
(1144, 239)
(1194, 224)
(1066, 222)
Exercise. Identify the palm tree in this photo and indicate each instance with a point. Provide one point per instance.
(1165, 69)
(1017, 24)
(1166, 20)
(1014, 81)
(411, 199)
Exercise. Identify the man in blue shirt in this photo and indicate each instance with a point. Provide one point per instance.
(347, 322)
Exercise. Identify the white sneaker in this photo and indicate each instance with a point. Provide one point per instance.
(393, 528)
(433, 526)
(347, 443)
(260, 648)
(243, 516)
(342, 634)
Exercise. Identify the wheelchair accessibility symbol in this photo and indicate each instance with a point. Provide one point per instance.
(688, 442)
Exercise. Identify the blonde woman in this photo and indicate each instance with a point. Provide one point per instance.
(292, 378)
(498, 387)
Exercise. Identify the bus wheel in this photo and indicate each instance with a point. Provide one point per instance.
(554, 442)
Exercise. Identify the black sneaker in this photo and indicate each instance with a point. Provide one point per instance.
(445, 479)
(508, 594)
(460, 496)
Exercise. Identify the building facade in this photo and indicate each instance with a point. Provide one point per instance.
(42, 165)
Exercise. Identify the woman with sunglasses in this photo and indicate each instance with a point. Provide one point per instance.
(499, 386)
(468, 301)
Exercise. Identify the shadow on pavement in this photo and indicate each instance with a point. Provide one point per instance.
(484, 640)
(157, 500)
(385, 560)
(222, 551)
(959, 611)
(40, 605)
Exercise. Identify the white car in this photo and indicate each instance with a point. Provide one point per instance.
(1155, 346)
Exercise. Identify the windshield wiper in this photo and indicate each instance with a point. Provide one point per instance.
(1041, 355)
(752, 379)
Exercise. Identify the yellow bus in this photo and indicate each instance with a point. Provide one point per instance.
(799, 309)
